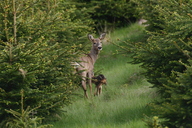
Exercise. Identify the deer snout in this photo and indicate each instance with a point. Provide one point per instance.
(100, 48)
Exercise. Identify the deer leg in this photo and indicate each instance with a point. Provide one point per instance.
(89, 81)
(95, 91)
(100, 89)
(84, 84)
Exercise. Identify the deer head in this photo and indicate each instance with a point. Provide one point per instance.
(97, 44)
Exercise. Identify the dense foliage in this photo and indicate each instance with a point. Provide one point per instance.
(166, 56)
(38, 40)
(110, 14)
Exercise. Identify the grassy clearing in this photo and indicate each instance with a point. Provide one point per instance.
(124, 100)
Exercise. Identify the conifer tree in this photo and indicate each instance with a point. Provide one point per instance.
(165, 55)
(37, 42)
(177, 109)
(109, 14)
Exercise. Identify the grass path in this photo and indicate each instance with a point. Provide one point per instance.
(123, 103)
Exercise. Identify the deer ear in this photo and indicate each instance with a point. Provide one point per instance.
(102, 36)
(90, 37)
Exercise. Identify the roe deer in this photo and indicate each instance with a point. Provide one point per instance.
(99, 81)
(86, 64)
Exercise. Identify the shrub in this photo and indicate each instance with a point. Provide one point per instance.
(165, 55)
(109, 14)
(176, 110)
(37, 42)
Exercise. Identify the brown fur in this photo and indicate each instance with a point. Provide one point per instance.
(87, 62)
(99, 81)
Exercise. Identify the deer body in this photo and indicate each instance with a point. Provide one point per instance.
(86, 64)
(99, 81)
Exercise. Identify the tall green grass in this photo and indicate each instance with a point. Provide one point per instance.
(125, 98)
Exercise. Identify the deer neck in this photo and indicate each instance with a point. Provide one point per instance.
(94, 55)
